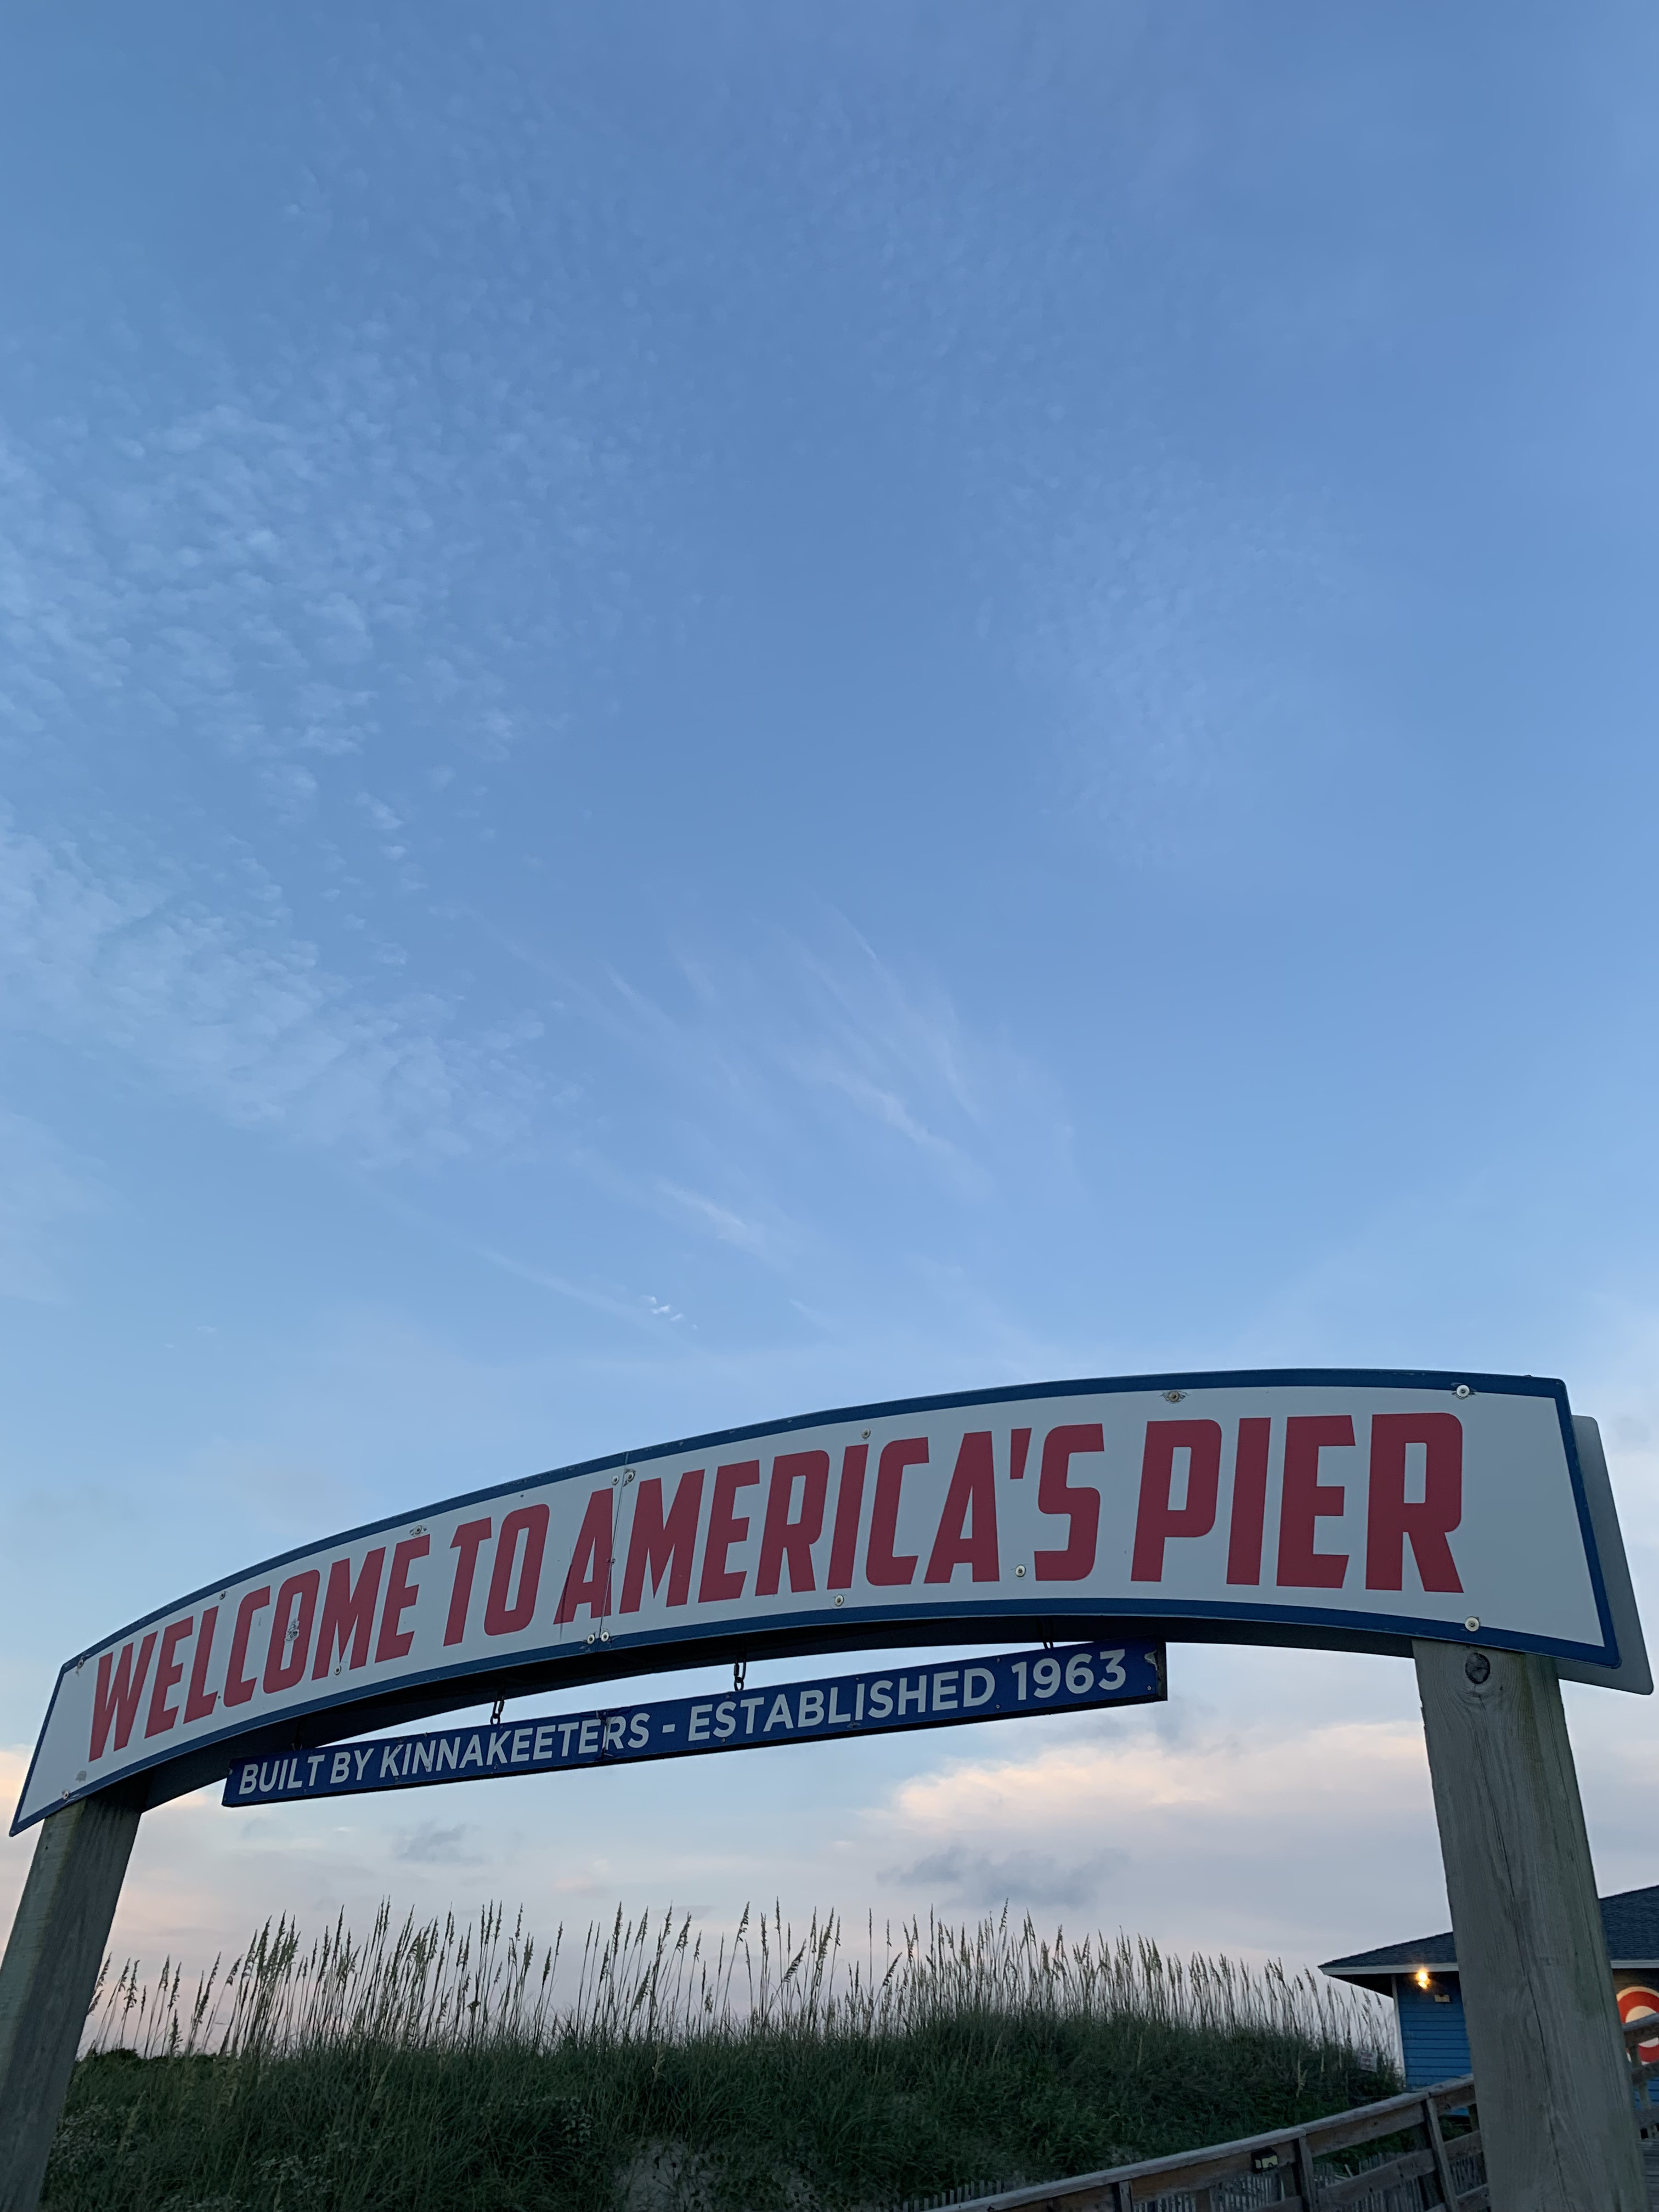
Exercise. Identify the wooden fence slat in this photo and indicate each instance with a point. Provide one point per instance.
(1437, 2149)
(1407, 2168)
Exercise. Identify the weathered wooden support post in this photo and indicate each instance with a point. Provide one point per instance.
(48, 1975)
(1550, 2074)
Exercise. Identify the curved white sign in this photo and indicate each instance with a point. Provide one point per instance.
(1302, 1507)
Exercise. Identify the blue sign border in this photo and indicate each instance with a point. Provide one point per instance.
(641, 1651)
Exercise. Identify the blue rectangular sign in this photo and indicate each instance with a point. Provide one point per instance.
(998, 1687)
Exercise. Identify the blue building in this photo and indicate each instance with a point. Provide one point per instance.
(1421, 1976)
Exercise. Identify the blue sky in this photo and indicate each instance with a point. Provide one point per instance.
(714, 710)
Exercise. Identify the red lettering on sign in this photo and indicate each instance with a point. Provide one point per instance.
(849, 1504)
(200, 1700)
(724, 1530)
(465, 1542)
(587, 1578)
(116, 1701)
(530, 1522)
(1019, 1444)
(169, 1671)
(1156, 1519)
(661, 1544)
(881, 1566)
(973, 1491)
(396, 1642)
(1250, 1500)
(349, 1612)
(290, 1631)
(783, 1539)
(1082, 1506)
(238, 1687)
(1390, 1519)
(1306, 1500)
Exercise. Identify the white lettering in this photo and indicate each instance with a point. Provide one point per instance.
(473, 1755)
(447, 1752)
(615, 1725)
(942, 1703)
(420, 1760)
(250, 1781)
(917, 1696)
(362, 1758)
(389, 1757)
(520, 1746)
(726, 1718)
(810, 1715)
(588, 1742)
(971, 1677)
(881, 1701)
(545, 1740)
(837, 1718)
(697, 1731)
(779, 1707)
(639, 1732)
(498, 1744)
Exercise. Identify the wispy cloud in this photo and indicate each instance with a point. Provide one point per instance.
(255, 1028)
(430, 1844)
(825, 1051)
(979, 1880)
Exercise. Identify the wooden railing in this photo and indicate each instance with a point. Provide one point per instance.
(1405, 2153)
(1428, 2135)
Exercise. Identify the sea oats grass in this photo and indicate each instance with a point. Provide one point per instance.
(442, 2068)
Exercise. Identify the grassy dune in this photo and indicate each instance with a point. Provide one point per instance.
(438, 2068)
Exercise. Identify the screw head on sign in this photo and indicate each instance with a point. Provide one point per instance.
(1462, 1391)
(866, 1436)
(590, 1639)
(1472, 1623)
(1019, 1571)
(1174, 1397)
(841, 1600)
(604, 1636)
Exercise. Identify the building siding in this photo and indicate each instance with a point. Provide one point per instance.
(1434, 2038)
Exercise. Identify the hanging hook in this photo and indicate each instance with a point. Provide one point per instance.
(495, 1712)
(739, 1675)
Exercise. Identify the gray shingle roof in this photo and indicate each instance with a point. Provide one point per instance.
(1631, 1919)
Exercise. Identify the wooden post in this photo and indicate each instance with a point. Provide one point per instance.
(48, 1975)
(1556, 2124)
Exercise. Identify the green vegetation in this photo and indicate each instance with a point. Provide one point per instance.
(437, 2069)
